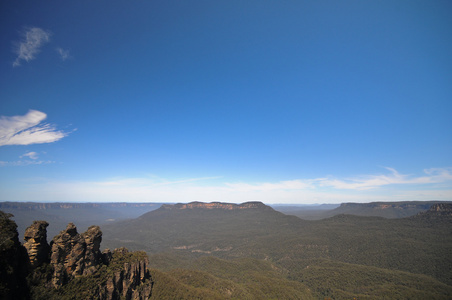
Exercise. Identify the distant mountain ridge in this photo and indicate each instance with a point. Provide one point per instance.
(84, 214)
(216, 205)
(390, 210)
(71, 205)
(251, 251)
(418, 244)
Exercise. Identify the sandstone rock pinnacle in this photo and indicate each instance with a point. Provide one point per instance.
(36, 243)
(74, 254)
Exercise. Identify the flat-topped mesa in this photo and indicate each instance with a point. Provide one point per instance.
(217, 205)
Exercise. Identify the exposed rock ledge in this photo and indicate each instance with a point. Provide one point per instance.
(217, 205)
(72, 255)
(443, 209)
(36, 243)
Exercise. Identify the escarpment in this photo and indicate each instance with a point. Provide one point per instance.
(215, 205)
(438, 210)
(442, 209)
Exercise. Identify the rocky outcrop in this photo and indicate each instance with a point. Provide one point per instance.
(13, 261)
(74, 261)
(74, 254)
(36, 243)
(217, 205)
(130, 280)
(440, 209)
(93, 257)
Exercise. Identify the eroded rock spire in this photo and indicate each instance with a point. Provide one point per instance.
(36, 243)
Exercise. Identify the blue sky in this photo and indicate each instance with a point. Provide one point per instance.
(177, 101)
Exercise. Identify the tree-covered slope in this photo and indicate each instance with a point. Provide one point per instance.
(402, 252)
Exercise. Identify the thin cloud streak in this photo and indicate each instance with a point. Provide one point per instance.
(27, 130)
(21, 163)
(434, 175)
(32, 155)
(435, 185)
(30, 45)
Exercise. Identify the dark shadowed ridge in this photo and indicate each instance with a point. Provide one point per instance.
(388, 210)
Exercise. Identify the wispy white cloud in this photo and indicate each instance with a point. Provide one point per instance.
(32, 155)
(21, 163)
(28, 129)
(434, 175)
(33, 160)
(30, 45)
(64, 54)
(434, 184)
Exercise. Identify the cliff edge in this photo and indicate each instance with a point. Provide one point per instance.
(71, 267)
(216, 205)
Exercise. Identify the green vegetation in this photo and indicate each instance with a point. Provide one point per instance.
(82, 287)
(231, 279)
(345, 281)
(348, 256)
(388, 210)
(264, 254)
(13, 261)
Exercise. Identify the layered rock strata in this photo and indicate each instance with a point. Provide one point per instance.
(71, 255)
(127, 277)
(36, 243)
(74, 254)
(216, 205)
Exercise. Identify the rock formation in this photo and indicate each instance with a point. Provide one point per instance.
(13, 261)
(440, 209)
(125, 279)
(106, 276)
(74, 254)
(93, 256)
(36, 243)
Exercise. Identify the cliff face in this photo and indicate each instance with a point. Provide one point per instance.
(13, 261)
(217, 205)
(389, 205)
(440, 209)
(36, 243)
(130, 279)
(74, 254)
(71, 266)
(388, 210)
